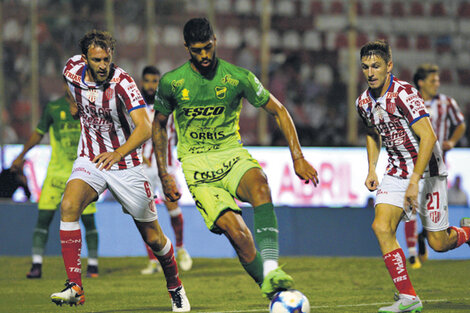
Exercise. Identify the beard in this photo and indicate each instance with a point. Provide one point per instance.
(205, 70)
(148, 97)
(97, 78)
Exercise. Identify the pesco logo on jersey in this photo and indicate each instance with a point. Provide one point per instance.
(227, 79)
(176, 84)
(220, 92)
(204, 111)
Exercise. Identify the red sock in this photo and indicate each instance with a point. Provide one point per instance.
(150, 253)
(71, 241)
(170, 269)
(395, 262)
(411, 234)
(463, 235)
(177, 224)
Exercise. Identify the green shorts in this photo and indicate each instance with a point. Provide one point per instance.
(52, 191)
(213, 180)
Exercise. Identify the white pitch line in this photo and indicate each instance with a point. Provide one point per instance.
(336, 306)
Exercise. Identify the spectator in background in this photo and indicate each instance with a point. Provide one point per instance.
(449, 125)
(150, 79)
(457, 196)
(64, 136)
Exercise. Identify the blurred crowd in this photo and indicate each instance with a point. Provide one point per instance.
(308, 61)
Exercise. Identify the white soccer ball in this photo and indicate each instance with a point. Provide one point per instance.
(289, 301)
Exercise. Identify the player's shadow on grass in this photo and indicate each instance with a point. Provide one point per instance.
(150, 309)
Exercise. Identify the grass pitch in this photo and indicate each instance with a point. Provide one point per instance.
(221, 285)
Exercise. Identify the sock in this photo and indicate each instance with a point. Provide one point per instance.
(395, 262)
(411, 235)
(255, 269)
(71, 241)
(92, 262)
(166, 257)
(152, 256)
(176, 217)
(91, 235)
(37, 259)
(266, 232)
(41, 231)
(463, 235)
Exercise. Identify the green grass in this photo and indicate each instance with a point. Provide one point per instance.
(221, 285)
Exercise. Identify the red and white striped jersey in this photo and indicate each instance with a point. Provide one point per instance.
(392, 115)
(445, 114)
(104, 111)
(147, 147)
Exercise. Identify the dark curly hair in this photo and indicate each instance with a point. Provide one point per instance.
(98, 38)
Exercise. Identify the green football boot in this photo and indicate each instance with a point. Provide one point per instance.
(276, 280)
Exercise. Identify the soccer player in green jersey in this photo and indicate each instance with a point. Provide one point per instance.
(64, 135)
(205, 94)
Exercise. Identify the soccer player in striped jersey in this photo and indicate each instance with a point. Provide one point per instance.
(114, 124)
(449, 125)
(204, 96)
(150, 79)
(395, 115)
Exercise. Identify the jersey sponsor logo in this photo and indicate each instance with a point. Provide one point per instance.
(204, 111)
(364, 102)
(185, 94)
(96, 118)
(201, 135)
(134, 92)
(227, 79)
(74, 77)
(216, 175)
(203, 149)
(391, 95)
(220, 92)
(175, 84)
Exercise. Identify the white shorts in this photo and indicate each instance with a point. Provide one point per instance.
(130, 187)
(432, 208)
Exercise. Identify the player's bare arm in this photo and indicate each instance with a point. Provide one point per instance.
(160, 143)
(456, 135)
(373, 144)
(142, 132)
(72, 104)
(303, 169)
(34, 139)
(423, 129)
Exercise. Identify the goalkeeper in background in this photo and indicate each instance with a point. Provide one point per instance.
(64, 133)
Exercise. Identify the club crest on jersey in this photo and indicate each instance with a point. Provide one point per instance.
(391, 107)
(185, 94)
(220, 92)
(92, 94)
(109, 93)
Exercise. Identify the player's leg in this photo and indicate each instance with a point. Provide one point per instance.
(176, 218)
(387, 218)
(91, 236)
(254, 188)
(49, 202)
(78, 194)
(132, 189)
(435, 218)
(411, 236)
(40, 236)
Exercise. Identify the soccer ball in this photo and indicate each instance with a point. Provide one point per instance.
(289, 301)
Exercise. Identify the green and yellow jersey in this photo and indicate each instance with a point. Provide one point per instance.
(64, 135)
(207, 110)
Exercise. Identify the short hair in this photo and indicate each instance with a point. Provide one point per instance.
(377, 47)
(98, 38)
(150, 69)
(197, 29)
(423, 71)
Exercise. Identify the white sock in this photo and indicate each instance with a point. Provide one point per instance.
(37, 259)
(268, 266)
(92, 262)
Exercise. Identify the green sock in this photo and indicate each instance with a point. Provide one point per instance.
(41, 231)
(91, 235)
(266, 232)
(255, 269)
